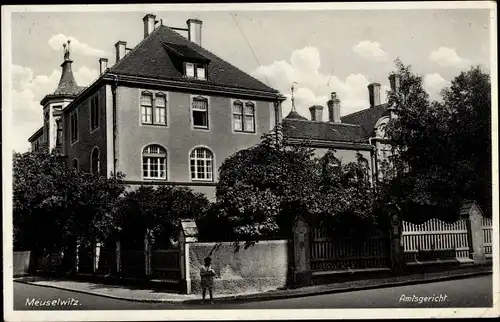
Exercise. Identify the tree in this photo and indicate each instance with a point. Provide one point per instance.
(443, 148)
(56, 206)
(157, 211)
(263, 188)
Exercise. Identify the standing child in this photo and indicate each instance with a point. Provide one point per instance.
(207, 279)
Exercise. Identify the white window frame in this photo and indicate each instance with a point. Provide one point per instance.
(154, 108)
(196, 68)
(95, 148)
(243, 116)
(192, 110)
(193, 156)
(94, 108)
(74, 114)
(159, 156)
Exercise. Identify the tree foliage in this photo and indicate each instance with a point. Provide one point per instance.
(263, 188)
(443, 147)
(55, 205)
(157, 211)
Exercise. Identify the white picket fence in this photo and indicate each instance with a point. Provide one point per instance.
(435, 239)
(487, 232)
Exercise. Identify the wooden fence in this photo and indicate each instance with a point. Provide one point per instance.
(165, 265)
(487, 232)
(133, 263)
(327, 253)
(435, 239)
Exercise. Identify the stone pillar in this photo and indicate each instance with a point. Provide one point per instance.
(475, 234)
(302, 247)
(147, 255)
(397, 251)
(77, 257)
(118, 257)
(96, 252)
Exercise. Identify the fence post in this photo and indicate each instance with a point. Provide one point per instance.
(302, 251)
(475, 232)
(77, 257)
(147, 255)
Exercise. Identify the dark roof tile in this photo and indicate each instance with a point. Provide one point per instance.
(366, 119)
(157, 56)
(324, 131)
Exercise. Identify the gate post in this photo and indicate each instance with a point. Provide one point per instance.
(147, 255)
(473, 214)
(118, 257)
(397, 251)
(96, 251)
(302, 252)
(188, 233)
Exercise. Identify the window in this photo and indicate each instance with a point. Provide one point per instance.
(244, 117)
(190, 70)
(75, 164)
(200, 112)
(159, 105)
(154, 162)
(59, 132)
(201, 163)
(74, 126)
(147, 107)
(160, 109)
(94, 161)
(94, 113)
(197, 71)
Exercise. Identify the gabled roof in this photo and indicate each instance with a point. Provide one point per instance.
(366, 119)
(157, 56)
(322, 131)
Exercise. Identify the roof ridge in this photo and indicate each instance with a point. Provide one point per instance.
(363, 110)
(225, 61)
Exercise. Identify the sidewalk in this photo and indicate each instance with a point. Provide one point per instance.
(152, 296)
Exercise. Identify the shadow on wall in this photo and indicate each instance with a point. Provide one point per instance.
(261, 267)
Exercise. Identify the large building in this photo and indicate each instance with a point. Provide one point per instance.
(169, 112)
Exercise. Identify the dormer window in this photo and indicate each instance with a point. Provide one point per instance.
(195, 70)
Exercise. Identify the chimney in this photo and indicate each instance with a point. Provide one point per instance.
(316, 113)
(194, 30)
(334, 108)
(395, 82)
(103, 65)
(120, 50)
(149, 24)
(374, 94)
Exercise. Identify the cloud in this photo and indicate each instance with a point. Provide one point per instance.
(448, 57)
(27, 91)
(312, 86)
(433, 84)
(56, 42)
(370, 50)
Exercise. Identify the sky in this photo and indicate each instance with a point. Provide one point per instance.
(323, 51)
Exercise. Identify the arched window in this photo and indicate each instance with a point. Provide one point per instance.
(94, 161)
(201, 162)
(154, 162)
(75, 163)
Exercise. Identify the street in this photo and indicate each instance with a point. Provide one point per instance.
(470, 292)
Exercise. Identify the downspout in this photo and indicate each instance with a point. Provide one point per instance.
(374, 164)
(114, 86)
